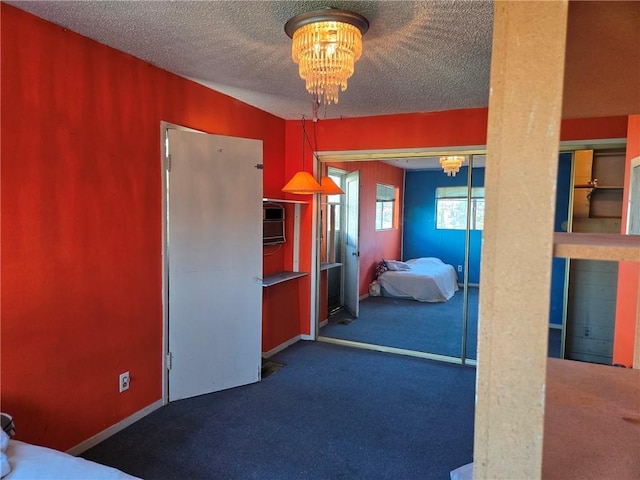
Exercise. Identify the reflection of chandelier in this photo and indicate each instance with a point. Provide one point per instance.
(451, 164)
(326, 45)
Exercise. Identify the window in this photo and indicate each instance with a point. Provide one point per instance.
(339, 181)
(451, 208)
(385, 206)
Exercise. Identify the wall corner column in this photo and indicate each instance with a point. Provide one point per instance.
(525, 104)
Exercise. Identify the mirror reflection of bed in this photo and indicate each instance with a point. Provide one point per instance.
(415, 217)
(417, 307)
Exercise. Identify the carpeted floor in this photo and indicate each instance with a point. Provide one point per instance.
(330, 412)
(411, 325)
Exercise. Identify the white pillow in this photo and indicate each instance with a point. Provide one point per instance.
(395, 265)
(5, 468)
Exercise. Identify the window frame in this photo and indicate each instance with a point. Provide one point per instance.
(460, 194)
(386, 204)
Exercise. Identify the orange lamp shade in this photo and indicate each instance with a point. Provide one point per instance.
(329, 187)
(302, 183)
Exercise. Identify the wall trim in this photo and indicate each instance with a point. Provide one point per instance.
(362, 297)
(557, 326)
(324, 322)
(282, 346)
(397, 351)
(113, 429)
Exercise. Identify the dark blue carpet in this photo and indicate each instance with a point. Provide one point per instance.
(330, 413)
(418, 326)
(411, 325)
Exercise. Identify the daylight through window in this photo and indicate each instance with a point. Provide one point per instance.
(385, 206)
(451, 208)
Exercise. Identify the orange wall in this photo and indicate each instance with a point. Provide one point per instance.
(81, 222)
(628, 272)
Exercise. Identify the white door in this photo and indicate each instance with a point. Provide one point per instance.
(214, 262)
(352, 255)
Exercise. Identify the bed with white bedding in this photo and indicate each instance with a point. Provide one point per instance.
(30, 462)
(426, 279)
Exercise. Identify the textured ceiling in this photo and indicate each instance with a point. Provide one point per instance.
(419, 56)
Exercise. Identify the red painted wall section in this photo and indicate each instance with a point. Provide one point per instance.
(281, 306)
(442, 129)
(81, 222)
(299, 157)
(628, 272)
(593, 128)
(414, 130)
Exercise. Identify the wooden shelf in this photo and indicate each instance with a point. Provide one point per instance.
(327, 266)
(280, 277)
(597, 246)
(599, 187)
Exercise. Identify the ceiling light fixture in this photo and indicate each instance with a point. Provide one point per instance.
(451, 164)
(326, 45)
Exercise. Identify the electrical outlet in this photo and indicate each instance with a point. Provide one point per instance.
(124, 381)
(587, 332)
(459, 268)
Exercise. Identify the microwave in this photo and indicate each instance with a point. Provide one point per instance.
(272, 224)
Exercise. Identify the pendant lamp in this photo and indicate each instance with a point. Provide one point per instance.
(302, 183)
(329, 187)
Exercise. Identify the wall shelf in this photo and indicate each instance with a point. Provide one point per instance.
(327, 266)
(600, 187)
(597, 246)
(280, 277)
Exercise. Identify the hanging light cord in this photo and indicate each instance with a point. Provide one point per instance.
(305, 135)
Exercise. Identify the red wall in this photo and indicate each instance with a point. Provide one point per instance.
(81, 222)
(628, 272)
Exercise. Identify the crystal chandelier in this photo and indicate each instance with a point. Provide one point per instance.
(326, 45)
(451, 164)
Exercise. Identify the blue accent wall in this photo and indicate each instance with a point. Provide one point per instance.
(558, 268)
(421, 237)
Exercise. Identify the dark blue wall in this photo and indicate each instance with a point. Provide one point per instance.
(421, 238)
(563, 193)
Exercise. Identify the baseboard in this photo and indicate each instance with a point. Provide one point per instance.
(281, 347)
(557, 326)
(324, 322)
(397, 351)
(113, 429)
(363, 296)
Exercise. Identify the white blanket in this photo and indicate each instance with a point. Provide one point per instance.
(31, 462)
(429, 279)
